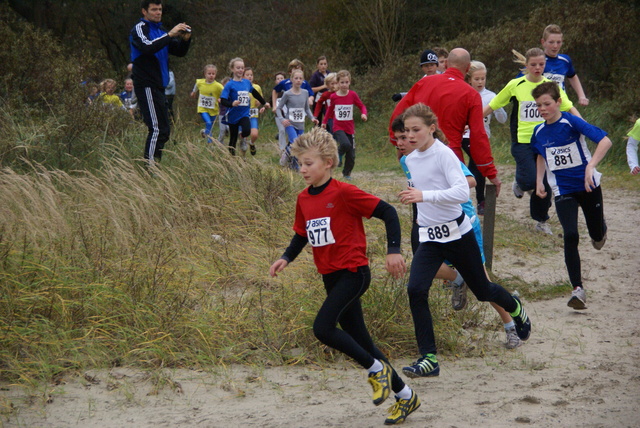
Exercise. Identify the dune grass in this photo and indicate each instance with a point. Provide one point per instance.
(111, 266)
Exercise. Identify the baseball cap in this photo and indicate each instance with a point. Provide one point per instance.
(428, 57)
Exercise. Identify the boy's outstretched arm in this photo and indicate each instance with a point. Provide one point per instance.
(601, 150)
(394, 262)
(296, 245)
(577, 86)
(540, 170)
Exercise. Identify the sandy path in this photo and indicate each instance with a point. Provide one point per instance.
(578, 368)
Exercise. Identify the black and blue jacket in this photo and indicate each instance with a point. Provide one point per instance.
(150, 49)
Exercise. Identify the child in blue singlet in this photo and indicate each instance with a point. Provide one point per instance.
(235, 96)
(559, 67)
(563, 154)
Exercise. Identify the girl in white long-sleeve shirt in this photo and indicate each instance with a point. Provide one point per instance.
(445, 234)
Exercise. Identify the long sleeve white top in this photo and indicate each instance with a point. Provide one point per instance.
(437, 173)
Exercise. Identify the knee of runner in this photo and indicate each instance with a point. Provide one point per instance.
(321, 332)
(418, 291)
(571, 238)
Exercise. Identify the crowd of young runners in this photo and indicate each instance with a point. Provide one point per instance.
(445, 114)
(551, 157)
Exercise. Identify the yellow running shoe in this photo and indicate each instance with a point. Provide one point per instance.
(381, 383)
(402, 409)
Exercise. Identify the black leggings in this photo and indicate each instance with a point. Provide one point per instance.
(245, 123)
(464, 254)
(346, 147)
(567, 210)
(342, 305)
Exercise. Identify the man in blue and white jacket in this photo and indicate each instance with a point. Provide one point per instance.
(150, 49)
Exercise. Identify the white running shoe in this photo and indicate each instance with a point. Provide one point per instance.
(578, 299)
(513, 341)
(543, 227)
(517, 191)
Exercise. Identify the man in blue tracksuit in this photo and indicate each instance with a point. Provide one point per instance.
(150, 49)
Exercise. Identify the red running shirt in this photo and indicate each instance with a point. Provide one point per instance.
(332, 221)
(342, 111)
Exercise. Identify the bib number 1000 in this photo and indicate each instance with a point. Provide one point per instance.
(529, 112)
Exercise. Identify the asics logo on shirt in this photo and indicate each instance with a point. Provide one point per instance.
(560, 150)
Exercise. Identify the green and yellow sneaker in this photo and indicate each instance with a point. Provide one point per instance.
(427, 366)
(402, 409)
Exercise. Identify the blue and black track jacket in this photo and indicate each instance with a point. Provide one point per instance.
(150, 49)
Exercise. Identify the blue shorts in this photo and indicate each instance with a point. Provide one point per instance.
(254, 123)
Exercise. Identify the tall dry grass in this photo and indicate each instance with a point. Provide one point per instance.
(118, 267)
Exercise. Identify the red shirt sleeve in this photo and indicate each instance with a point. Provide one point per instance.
(321, 101)
(329, 114)
(358, 102)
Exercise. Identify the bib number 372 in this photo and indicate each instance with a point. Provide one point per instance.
(319, 232)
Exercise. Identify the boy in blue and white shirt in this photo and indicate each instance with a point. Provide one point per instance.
(559, 67)
(562, 151)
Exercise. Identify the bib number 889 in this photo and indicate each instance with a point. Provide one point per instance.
(438, 232)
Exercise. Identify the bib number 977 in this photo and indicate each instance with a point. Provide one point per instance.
(319, 232)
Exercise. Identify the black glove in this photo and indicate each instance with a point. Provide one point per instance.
(396, 97)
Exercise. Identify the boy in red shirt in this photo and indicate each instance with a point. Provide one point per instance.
(329, 217)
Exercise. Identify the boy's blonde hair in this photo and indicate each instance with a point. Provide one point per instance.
(341, 74)
(295, 63)
(524, 59)
(208, 66)
(320, 140)
(475, 66)
(551, 29)
(331, 77)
